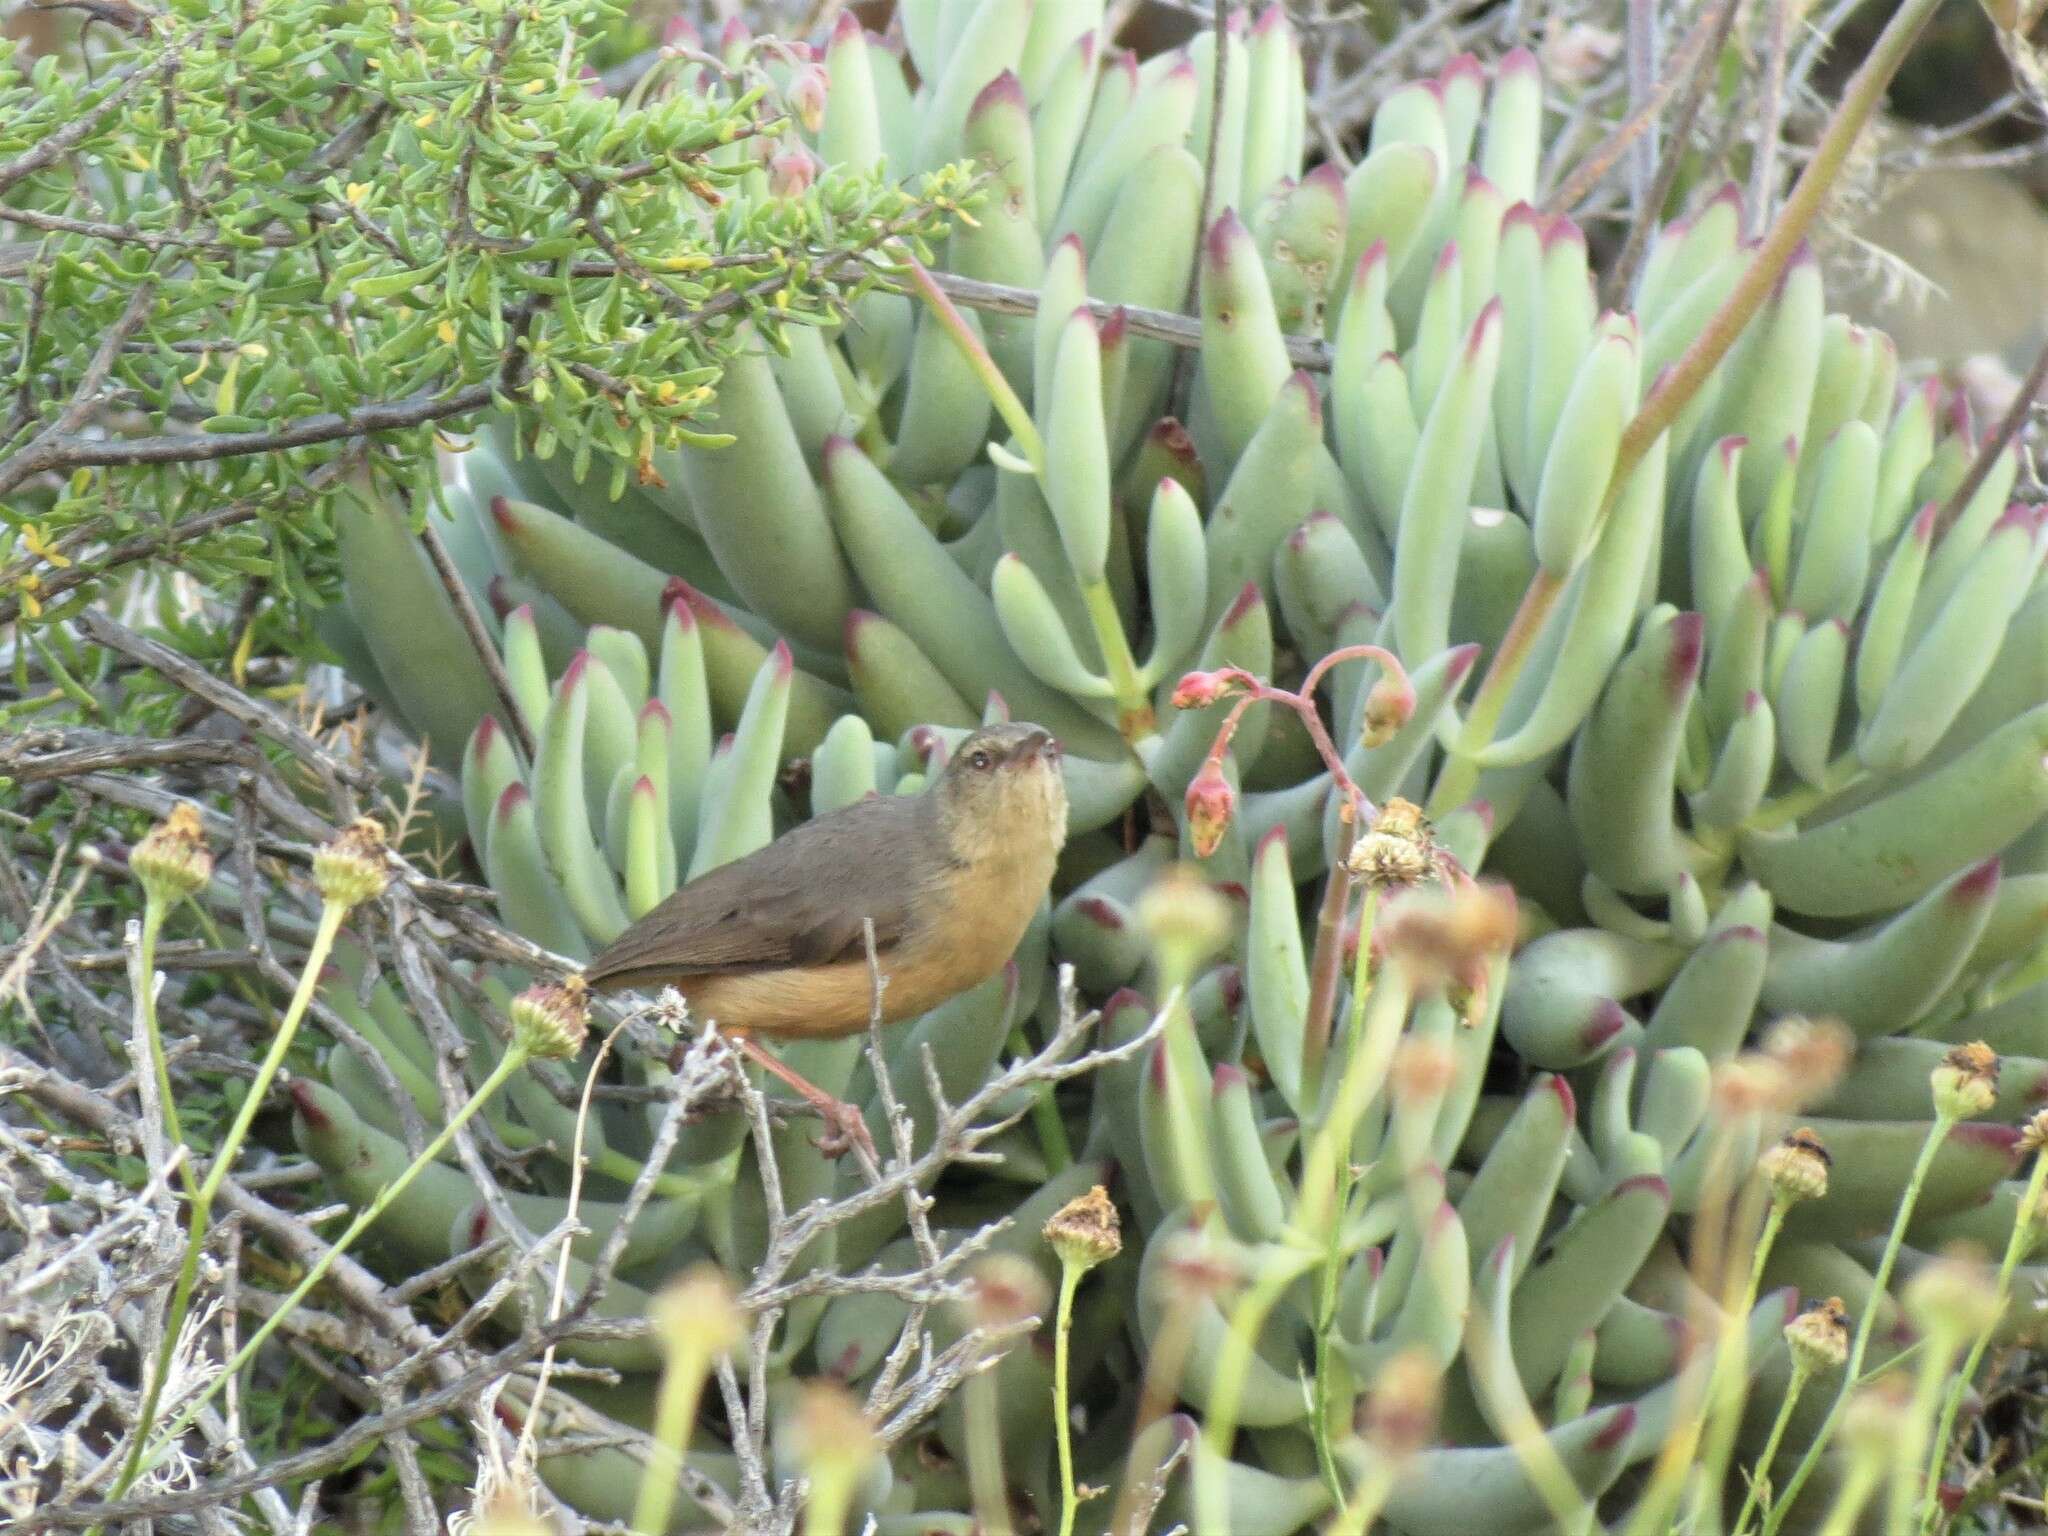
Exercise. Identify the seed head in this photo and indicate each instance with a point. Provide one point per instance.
(505, 1513)
(2034, 1134)
(1447, 938)
(1819, 1338)
(551, 1019)
(349, 869)
(829, 1432)
(1966, 1083)
(1399, 1416)
(172, 861)
(1797, 1168)
(1750, 1084)
(1953, 1297)
(1085, 1231)
(1877, 1416)
(1004, 1291)
(696, 1315)
(1186, 917)
(1210, 804)
(1813, 1054)
(1399, 849)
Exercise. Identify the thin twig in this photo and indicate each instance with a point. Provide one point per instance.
(1650, 212)
(2008, 429)
(479, 637)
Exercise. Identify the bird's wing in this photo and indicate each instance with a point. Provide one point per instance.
(791, 903)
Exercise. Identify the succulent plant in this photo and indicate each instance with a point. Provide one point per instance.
(1771, 746)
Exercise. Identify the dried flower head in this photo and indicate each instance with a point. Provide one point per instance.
(1186, 917)
(1399, 1415)
(1399, 848)
(505, 1513)
(1750, 1084)
(1966, 1083)
(1797, 1167)
(1197, 1268)
(1211, 802)
(1004, 1291)
(1389, 706)
(696, 1316)
(829, 1433)
(1448, 938)
(1812, 1053)
(551, 1019)
(172, 861)
(1085, 1231)
(1876, 1417)
(2034, 1134)
(1819, 1338)
(1953, 1297)
(349, 868)
(1423, 1070)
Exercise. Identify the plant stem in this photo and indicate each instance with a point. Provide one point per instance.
(153, 914)
(1724, 1389)
(1134, 710)
(1219, 1424)
(1007, 405)
(675, 1407)
(513, 1059)
(1862, 1482)
(1062, 1423)
(331, 914)
(1865, 1325)
(984, 1457)
(1460, 773)
(1354, 1517)
(1333, 1255)
(1045, 1114)
(2016, 1246)
(1770, 1451)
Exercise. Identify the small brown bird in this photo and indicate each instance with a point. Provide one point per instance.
(772, 944)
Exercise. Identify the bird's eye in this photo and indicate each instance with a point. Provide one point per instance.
(979, 759)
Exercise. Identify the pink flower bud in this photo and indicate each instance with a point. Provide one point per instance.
(807, 89)
(1387, 708)
(1211, 803)
(791, 171)
(1198, 690)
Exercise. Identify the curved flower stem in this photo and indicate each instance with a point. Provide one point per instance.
(1770, 1451)
(1937, 1133)
(514, 1058)
(154, 912)
(1007, 405)
(2016, 1245)
(675, 1409)
(1219, 1425)
(331, 914)
(1062, 1422)
(1333, 1255)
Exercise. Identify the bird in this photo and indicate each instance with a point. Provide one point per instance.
(774, 944)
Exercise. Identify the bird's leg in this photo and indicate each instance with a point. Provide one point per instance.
(847, 1126)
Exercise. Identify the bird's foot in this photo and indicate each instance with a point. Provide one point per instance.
(845, 1126)
(845, 1129)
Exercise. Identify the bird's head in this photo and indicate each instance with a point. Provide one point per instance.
(1003, 785)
